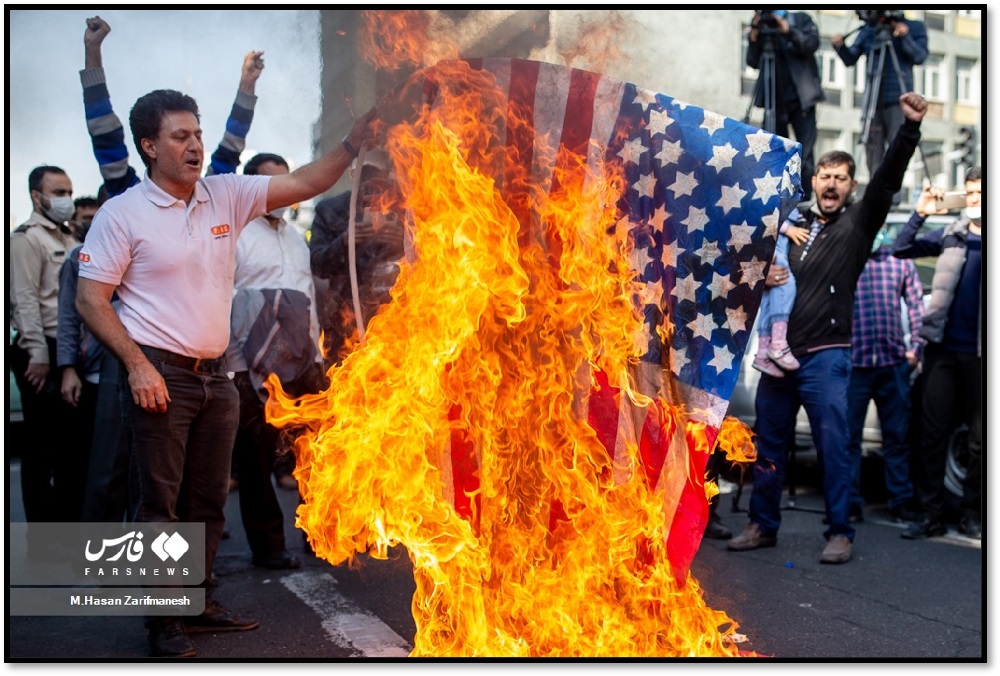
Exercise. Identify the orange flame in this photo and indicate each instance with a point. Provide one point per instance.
(391, 40)
(490, 342)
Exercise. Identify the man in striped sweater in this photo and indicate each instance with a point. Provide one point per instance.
(108, 136)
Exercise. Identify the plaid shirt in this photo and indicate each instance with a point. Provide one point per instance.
(879, 335)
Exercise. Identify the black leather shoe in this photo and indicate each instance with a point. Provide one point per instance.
(924, 529)
(167, 638)
(217, 618)
(971, 528)
(905, 514)
(283, 560)
(714, 530)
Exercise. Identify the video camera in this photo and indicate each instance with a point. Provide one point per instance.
(769, 17)
(877, 17)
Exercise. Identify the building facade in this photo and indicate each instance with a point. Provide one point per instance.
(697, 56)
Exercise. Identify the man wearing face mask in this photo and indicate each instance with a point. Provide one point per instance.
(38, 248)
(826, 268)
(274, 330)
(84, 209)
(953, 367)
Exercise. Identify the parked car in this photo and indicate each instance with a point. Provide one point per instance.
(745, 393)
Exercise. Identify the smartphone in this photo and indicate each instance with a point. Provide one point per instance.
(951, 201)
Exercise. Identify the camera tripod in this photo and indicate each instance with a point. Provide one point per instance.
(873, 86)
(766, 83)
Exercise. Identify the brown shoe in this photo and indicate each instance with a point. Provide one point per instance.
(217, 618)
(837, 550)
(751, 538)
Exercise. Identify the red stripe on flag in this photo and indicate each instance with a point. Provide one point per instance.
(578, 123)
(602, 412)
(654, 442)
(689, 522)
(465, 469)
(520, 142)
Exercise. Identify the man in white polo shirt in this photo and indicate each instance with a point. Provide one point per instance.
(168, 246)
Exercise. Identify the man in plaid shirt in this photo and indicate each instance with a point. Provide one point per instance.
(883, 354)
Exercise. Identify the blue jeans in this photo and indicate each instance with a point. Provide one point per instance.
(820, 385)
(889, 386)
(179, 461)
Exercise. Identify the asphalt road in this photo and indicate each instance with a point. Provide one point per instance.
(897, 600)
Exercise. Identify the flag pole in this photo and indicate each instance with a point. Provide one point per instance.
(351, 242)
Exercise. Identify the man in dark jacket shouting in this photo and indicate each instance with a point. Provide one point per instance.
(826, 269)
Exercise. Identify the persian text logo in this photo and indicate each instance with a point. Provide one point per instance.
(131, 546)
(164, 546)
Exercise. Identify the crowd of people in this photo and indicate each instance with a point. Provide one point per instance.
(149, 318)
(837, 340)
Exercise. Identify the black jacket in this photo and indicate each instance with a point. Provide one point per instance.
(798, 49)
(826, 277)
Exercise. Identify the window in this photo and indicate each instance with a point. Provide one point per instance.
(831, 75)
(934, 19)
(831, 70)
(827, 140)
(966, 90)
(931, 80)
(860, 80)
(860, 75)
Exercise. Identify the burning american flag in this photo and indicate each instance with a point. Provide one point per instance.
(531, 415)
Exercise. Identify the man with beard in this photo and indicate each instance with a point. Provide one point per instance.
(826, 269)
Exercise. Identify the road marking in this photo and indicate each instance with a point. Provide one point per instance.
(345, 624)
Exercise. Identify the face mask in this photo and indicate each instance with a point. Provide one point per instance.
(879, 238)
(81, 229)
(277, 213)
(60, 209)
(974, 213)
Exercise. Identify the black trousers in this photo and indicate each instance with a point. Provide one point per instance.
(253, 456)
(106, 495)
(55, 455)
(952, 395)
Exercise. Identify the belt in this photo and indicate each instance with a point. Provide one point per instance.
(217, 365)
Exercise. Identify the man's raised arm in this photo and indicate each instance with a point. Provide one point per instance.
(226, 157)
(314, 178)
(106, 133)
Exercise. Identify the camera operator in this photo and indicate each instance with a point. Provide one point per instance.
(795, 39)
(909, 42)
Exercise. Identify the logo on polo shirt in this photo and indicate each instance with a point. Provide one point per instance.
(221, 231)
(83, 258)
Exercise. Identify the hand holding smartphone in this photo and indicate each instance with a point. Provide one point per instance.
(952, 201)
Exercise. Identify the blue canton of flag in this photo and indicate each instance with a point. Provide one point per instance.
(705, 197)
